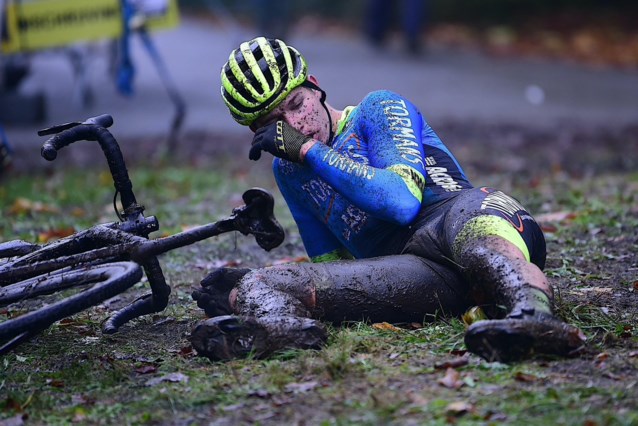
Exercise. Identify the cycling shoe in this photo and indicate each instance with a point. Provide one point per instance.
(515, 339)
(230, 336)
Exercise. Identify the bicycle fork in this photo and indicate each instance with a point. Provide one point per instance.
(156, 301)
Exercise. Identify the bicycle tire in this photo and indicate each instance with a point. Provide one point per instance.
(108, 280)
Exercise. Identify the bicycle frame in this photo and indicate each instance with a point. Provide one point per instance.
(128, 239)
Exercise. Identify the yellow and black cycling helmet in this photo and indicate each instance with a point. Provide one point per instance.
(258, 76)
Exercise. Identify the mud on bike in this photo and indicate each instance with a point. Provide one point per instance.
(103, 261)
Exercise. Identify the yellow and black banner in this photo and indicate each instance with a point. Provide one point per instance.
(30, 25)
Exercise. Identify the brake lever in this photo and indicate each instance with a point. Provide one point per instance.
(103, 120)
(57, 129)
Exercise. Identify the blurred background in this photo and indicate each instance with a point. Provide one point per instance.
(468, 64)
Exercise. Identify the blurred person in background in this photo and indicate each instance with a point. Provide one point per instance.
(273, 17)
(379, 18)
(394, 229)
(5, 152)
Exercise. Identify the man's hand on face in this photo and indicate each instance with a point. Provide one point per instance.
(280, 139)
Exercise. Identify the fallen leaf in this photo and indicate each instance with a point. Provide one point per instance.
(284, 260)
(627, 331)
(453, 363)
(458, 408)
(472, 315)
(78, 212)
(24, 206)
(54, 234)
(555, 217)
(233, 407)
(82, 399)
(495, 416)
(146, 369)
(417, 398)
(260, 393)
(524, 377)
(301, 387)
(55, 383)
(187, 351)
(451, 380)
(12, 404)
(385, 326)
(172, 377)
(162, 321)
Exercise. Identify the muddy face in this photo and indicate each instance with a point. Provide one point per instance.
(302, 109)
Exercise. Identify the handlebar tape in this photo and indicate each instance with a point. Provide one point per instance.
(110, 147)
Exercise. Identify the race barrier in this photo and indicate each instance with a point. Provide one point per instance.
(32, 25)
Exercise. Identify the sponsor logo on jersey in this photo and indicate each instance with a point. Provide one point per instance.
(354, 218)
(343, 163)
(318, 190)
(402, 130)
(440, 176)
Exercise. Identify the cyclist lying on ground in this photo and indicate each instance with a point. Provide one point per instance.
(395, 230)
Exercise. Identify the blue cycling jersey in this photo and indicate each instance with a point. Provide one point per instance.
(364, 191)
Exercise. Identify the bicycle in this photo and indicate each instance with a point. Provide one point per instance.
(108, 258)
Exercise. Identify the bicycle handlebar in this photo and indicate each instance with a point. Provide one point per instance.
(94, 129)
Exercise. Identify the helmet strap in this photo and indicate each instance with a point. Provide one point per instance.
(311, 85)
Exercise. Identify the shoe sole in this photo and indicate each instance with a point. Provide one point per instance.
(512, 340)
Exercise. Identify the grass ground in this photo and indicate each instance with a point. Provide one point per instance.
(368, 373)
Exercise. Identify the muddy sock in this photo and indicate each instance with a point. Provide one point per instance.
(531, 301)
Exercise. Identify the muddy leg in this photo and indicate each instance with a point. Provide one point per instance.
(274, 306)
(402, 288)
(499, 272)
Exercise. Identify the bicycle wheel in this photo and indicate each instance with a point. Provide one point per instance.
(106, 281)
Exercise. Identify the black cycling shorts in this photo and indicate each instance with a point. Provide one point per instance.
(442, 228)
